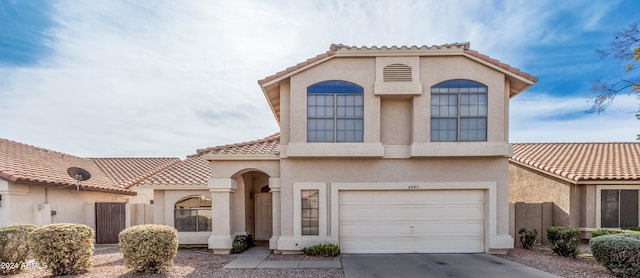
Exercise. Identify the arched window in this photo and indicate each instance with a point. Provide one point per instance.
(335, 112)
(459, 111)
(193, 214)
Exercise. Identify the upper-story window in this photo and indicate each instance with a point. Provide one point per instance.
(335, 112)
(458, 111)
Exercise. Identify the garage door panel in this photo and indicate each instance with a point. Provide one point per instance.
(412, 221)
(462, 211)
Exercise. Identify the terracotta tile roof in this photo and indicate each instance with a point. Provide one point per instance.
(191, 171)
(582, 161)
(33, 165)
(126, 172)
(267, 145)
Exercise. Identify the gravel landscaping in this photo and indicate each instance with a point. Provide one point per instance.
(200, 262)
(542, 258)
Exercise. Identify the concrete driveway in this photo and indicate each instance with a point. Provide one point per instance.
(434, 265)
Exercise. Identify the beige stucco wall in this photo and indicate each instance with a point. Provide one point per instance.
(20, 204)
(396, 129)
(362, 71)
(529, 186)
(432, 70)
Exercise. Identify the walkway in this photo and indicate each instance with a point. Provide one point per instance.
(255, 258)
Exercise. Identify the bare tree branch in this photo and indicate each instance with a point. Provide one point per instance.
(625, 48)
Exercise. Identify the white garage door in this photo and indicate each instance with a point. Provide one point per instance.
(422, 221)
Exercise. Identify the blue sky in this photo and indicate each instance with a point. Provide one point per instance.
(164, 78)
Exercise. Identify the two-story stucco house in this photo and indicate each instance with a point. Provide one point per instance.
(380, 150)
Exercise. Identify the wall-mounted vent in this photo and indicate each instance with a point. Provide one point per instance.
(397, 73)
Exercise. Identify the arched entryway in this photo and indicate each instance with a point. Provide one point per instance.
(257, 204)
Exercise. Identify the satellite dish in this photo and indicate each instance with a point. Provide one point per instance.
(79, 175)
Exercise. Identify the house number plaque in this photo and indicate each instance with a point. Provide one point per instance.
(414, 187)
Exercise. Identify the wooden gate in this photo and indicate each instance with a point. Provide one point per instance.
(110, 220)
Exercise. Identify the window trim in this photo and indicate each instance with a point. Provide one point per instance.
(619, 207)
(310, 218)
(459, 117)
(298, 187)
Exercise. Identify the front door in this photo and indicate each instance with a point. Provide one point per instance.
(264, 219)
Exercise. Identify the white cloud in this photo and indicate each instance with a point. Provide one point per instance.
(546, 118)
(164, 78)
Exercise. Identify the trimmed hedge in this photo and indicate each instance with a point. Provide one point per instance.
(527, 237)
(619, 253)
(14, 247)
(64, 249)
(602, 232)
(149, 248)
(564, 241)
(242, 243)
(326, 249)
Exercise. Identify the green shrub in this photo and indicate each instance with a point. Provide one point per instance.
(619, 253)
(326, 249)
(13, 246)
(527, 237)
(148, 248)
(242, 243)
(564, 241)
(63, 248)
(632, 228)
(602, 232)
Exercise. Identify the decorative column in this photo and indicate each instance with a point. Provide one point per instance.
(274, 184)
(221, 189)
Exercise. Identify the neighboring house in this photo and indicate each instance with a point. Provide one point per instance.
(400, 149)
(588, 185)
(36, 188)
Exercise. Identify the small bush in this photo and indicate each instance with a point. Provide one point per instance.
(242, 243)
(527, 237)
(602, 232)
(619, 253)
(13, 246)
(326, 249)
(148, 248)
(564, 241)
(64, 249)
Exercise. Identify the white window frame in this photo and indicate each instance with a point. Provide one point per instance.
(297, 208)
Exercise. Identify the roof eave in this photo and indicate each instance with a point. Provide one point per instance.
(8, 176)
(528, 82)
(235, 157)
(165, 186)
(573, 180)
(121, 191)
(609, 181)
